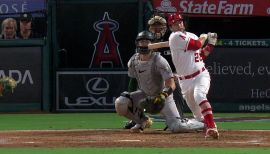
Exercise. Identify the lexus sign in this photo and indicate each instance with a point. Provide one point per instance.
(89, 91)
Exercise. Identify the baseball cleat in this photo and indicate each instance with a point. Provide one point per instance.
(187, 125)
(196, 125)
(138, 128)
(130, 124)
(212, 132)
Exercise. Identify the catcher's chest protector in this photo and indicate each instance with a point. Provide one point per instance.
(149, 79)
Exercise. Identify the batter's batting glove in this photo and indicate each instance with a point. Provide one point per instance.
(204, 36)
(7, 85)
(212, 38)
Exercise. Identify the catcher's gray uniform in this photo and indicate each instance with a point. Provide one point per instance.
(151, 76)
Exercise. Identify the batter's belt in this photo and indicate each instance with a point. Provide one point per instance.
(191, 75)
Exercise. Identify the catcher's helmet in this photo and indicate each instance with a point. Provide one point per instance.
(144, 35)
(174, 17)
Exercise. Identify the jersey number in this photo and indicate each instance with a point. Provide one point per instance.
(198, 58)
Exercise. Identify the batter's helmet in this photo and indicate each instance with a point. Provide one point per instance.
(174, 17)
(144, 35)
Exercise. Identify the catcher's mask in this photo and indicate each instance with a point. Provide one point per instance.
(158, 26)
(142, 40)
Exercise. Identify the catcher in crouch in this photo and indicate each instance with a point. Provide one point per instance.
(156, 85)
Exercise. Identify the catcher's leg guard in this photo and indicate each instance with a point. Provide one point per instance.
(124, 107)
(121, 105)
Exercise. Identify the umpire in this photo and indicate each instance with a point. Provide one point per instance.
(158, 27)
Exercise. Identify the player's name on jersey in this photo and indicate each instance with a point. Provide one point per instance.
(244, 42)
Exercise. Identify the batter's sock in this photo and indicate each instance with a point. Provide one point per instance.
(209, 120)
(206, 110)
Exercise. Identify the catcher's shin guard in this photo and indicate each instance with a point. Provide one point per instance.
(178, 98)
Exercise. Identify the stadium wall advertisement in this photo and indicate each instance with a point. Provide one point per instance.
(103, 42)
(89, 91)
(24, 65)
(215, 7)
(18, 6)
(239, 78)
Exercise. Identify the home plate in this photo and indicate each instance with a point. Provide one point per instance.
(31, 142)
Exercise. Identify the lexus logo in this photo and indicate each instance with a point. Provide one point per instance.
(97, 86)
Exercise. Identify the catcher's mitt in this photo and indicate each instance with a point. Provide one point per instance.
(7, 84)
(153, 104)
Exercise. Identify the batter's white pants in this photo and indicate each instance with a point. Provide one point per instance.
(194, 91)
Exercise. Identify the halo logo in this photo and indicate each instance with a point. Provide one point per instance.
(106, 53)
(97, 86)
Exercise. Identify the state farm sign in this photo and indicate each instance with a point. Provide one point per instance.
(222, 7)
(215, 7)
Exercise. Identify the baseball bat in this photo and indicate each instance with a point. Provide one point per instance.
(158, 45)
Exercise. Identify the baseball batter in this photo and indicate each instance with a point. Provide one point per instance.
(155, 78)
(187, 57)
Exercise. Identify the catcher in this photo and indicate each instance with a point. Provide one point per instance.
(156, 85)
(7, 85)
(158, 27)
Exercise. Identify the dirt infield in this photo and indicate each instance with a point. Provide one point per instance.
(123, 138)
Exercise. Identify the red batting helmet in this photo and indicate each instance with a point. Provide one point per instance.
(174, 17)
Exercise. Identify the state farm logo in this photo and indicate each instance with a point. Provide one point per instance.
(219, 7)
(97, 86)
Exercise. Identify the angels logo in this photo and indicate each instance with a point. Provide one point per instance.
(106, 52)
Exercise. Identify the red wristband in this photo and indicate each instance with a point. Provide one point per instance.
(209, 47)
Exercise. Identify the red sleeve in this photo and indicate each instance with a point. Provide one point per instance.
(194, 45)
